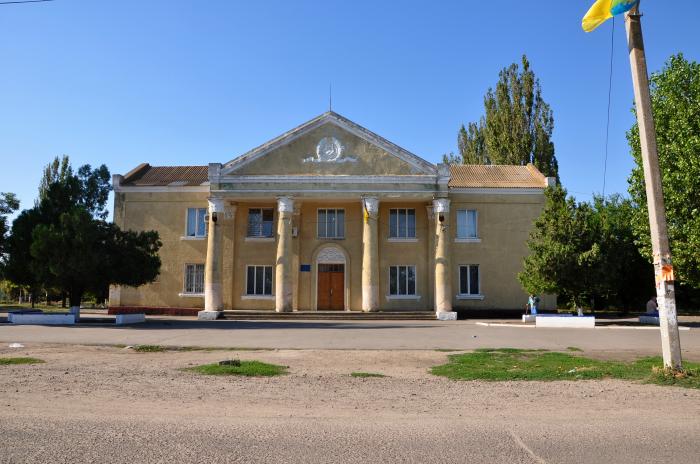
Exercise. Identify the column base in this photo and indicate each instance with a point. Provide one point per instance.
(446, 315)
(209, 315)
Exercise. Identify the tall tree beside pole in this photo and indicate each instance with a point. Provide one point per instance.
(663, 268)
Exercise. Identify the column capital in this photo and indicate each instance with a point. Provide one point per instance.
(441, 205)
(216, 204)
(371, 204)
(285, 204)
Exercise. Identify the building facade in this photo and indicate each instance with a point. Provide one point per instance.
(330, 216)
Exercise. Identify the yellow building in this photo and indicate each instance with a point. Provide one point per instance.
(331, 216)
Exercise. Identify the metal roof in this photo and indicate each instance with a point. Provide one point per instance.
(461, 176)
(495, 176)
(145, 175)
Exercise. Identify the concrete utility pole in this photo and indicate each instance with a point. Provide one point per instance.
(663, 269)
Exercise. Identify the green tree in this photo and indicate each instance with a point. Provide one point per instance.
(8, 205)
(64, 243)
(517, 125)
(61, 188)
(19, 267)
(57, 171)
(471, 143)
(624, 278)
(675, 98)
(563, 254)
(81, 254)
(586, 253)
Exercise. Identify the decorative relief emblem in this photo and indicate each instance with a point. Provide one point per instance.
(330, 255)
(329, 150)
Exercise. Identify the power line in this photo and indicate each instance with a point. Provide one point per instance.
(25, 1)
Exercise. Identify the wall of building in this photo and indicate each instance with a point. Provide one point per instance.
(504, 223)
(166, 213)
(393, 252)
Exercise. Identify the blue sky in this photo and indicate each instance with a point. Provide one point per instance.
(195, 81)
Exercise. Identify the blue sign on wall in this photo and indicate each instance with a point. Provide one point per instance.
(305, 268)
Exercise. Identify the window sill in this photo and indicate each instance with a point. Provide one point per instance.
(403, 297)
(470, 297)
(257, 297)
(259, 239)
(191, 295)
(467, 240)
(330, 238)
(402, 240)
(196, 237)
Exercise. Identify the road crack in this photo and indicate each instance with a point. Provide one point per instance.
(526, 448)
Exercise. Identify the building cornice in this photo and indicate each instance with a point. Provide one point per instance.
(498, 191)
(335, 179)
(162, 189)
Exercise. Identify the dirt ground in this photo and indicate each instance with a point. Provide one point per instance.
(108, 404)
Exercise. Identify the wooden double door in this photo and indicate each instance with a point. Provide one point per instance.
(331, 287)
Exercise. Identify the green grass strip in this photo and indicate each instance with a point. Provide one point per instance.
(364, 375)
(12, 361)
(149, 348)
(508, 364)
(246, 369)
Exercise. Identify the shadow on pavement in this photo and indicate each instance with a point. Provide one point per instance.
(254, 325)
(628, 323)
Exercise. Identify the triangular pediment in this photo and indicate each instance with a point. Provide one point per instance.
(328, 145)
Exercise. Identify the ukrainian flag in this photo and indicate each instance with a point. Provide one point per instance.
(602, 10)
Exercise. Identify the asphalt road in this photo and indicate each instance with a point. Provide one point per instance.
(288, 440)
(383, 335)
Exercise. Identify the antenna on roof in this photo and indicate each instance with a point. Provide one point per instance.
(330, 96)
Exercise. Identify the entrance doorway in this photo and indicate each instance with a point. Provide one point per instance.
(331, 287)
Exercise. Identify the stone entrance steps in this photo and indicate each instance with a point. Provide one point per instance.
(239, 315)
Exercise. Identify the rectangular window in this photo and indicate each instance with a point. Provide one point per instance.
(331, 223)
(402, 280)
(467, 223)
(259, 280)
(402, 223)
(469, 280)
(260, 222)
(194, 278)
(196, 222)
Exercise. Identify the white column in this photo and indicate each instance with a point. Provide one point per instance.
(284, 284)
(443, 274)
(430, 215)
(370, 254)
(213, 299)
(296, 256)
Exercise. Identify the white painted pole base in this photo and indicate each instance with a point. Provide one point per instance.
(209, 315)
(446, 315)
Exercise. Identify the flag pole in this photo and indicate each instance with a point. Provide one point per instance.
(663, 270)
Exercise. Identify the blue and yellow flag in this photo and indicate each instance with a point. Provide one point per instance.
(602, 10)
